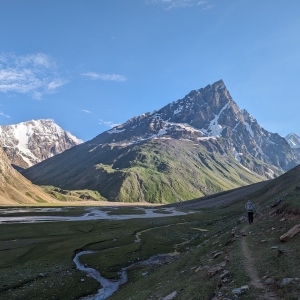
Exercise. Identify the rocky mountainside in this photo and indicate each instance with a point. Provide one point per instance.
(16, 189)
(29, 143)
(195, 146)
(294, 141)
(205, 115)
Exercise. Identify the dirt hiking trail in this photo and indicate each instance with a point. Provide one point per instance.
(249, 264)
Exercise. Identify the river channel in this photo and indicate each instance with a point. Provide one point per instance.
(34, 214)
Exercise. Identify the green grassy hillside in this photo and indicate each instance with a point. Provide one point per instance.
(74, 195)
(156, 171)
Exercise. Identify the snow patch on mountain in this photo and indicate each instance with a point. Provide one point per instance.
(115, 130)
(248, 127)
(182, 127)
(270, 142)
(178, 110)
(214, 128)
(237, 155)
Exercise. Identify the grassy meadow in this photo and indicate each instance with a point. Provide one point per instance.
(36, 258)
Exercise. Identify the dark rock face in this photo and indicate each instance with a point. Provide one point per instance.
(31, 142)
(209, 116)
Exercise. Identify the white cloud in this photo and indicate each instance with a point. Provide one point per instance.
(4, 115)
(106, 77)
(86, 111)
(91, 75)
(55, 84)
(207, 7)
(34, 74)
(170, 4)
(37, 95)
(108, 123)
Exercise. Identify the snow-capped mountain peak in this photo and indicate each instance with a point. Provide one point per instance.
(293, 140)
(201, 116)
(28, 143)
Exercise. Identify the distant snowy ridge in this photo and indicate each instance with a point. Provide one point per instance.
(28, 143)
(293, 140)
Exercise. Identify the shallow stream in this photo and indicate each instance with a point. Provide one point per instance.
(108, 286)
(88, 213)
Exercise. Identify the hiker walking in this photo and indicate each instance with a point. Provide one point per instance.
(250, 210)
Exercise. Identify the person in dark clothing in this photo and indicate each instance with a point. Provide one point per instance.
(250, 210)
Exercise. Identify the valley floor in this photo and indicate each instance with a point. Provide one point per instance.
(72, 214)
(80, 204)
(208, 254)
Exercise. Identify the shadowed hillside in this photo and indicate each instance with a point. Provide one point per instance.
(15, 189)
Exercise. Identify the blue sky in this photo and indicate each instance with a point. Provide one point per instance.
(92, 64)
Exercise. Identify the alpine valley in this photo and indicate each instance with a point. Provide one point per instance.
(199, 145)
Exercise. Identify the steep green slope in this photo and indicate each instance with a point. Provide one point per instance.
(282, 194)
(74, 195)
(157, 171)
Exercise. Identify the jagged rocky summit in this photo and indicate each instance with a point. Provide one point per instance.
(209, 116)
(195, 146)
(29, 143)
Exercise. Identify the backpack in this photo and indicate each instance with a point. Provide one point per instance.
(250, 207)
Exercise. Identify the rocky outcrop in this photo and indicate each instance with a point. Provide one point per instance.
(29, 143)
(290, 234)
